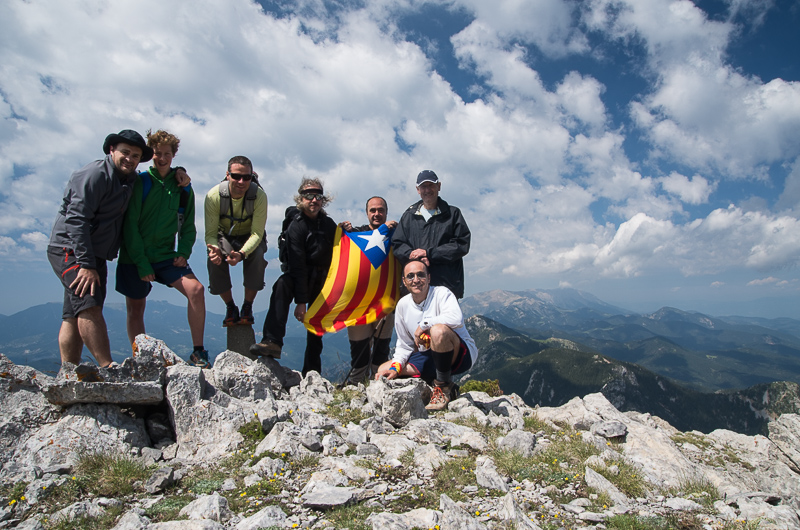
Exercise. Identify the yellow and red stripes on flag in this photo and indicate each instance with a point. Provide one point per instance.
(355, 292)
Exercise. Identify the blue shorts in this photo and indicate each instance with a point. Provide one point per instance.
(130, 284)
(423, 362)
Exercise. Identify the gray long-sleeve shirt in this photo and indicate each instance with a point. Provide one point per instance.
(89, 221)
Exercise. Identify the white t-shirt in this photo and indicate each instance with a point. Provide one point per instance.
(440, 307)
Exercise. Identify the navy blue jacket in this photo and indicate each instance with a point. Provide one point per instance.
(445, 238)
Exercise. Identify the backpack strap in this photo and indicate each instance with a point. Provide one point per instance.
(250, 199)
(224, 198)
(183, 201)
(147, 183)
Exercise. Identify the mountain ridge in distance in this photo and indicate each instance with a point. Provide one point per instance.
(551, 372)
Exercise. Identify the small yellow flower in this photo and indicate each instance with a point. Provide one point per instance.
(243, 494)
(13, 501)
(477, 512)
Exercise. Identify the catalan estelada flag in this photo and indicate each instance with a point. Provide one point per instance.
(362, 284)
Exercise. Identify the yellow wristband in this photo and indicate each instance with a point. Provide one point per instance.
(396, 367)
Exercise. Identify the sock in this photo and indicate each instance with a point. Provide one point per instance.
(231, 304)
(443, 362)
(247, 303)
(199, 348)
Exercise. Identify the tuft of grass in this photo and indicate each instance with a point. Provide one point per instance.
(12, 493)
(353, 517)
(252, 432)
(534, 425)
(263, 490)
(167, 509)
(559, 463)
(107, 520)
(110, 475)
(407, 458)
(304, 462)
(698, 489)
(629, 480)
(204, 485)
(339, 407)
(452, 476)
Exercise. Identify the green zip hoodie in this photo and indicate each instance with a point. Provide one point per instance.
(148, 233)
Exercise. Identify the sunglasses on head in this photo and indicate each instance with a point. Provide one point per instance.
(411, 275)
(312, 196)
(241, 176)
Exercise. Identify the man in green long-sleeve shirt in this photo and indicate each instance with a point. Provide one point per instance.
(236, 214)
(159, 211)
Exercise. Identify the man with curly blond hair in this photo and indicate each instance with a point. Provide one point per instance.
(159, 211)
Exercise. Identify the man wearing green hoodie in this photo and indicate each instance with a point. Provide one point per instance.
(159, 210)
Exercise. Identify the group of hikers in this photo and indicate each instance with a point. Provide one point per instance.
(148, 219)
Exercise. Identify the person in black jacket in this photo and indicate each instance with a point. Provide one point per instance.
(309, 240)
(435, 233)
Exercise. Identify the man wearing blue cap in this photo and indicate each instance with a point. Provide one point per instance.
(435, 233)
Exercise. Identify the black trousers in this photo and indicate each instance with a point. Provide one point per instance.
(278, 314)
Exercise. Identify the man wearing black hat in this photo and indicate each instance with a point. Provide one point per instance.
(435, 233)
(85, 235)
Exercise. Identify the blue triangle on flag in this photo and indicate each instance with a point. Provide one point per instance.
(375, 244)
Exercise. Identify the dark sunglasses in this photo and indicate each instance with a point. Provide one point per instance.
(241, 176)
(312, 196)
(411, 275)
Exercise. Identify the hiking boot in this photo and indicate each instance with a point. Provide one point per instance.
(441, 396)
(246, 315)
(231, 316)
(199, 358)
(266, 349)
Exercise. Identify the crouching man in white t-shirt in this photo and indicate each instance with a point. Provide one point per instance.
(432, 342)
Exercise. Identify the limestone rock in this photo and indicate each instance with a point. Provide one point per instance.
(522, 442)
(600, 483)
(213, 507)
(244, 378)
(399, 401)
(83, 428)
(487, 476)
(785, 434)
(456, 518)
(267, 517)
(24, 410)
(159, 480)
(511, 511)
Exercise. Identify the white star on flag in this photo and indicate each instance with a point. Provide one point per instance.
(375, 239)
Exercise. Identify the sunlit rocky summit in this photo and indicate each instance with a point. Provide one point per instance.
(366, 457)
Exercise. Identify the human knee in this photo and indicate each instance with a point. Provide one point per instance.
(441, 337)
(91, 313)
(135, 308)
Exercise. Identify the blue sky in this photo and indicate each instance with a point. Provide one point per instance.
(645, 151)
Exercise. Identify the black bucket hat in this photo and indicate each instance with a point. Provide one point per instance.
(129, 137)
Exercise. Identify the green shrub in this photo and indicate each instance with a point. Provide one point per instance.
(491, 387)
